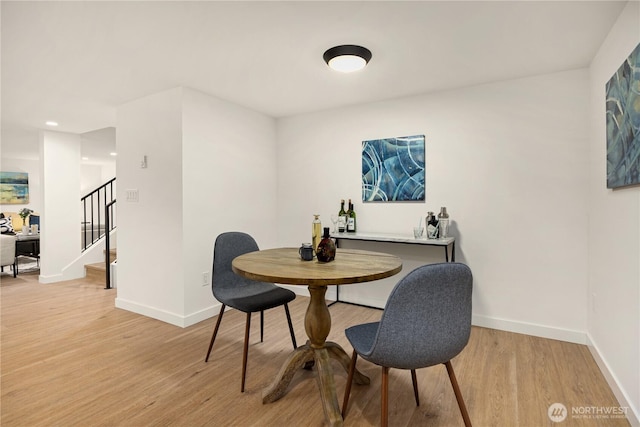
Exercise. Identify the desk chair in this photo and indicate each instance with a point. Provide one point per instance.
(243, 294)
(426, 322)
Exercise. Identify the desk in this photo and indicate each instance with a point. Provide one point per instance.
(284, 265)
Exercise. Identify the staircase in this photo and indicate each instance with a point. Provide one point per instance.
(98, 221)
(96, 273)
(98, 213)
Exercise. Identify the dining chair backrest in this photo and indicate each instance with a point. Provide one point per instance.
(246, 295)
(228, 246)
(427, 318)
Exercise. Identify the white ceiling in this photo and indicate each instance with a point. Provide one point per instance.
(76, 62)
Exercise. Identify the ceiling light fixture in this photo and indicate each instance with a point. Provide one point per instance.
(347, 58)
(51, 123)
(113, 154)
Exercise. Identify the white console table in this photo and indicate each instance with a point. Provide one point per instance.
(447, 243)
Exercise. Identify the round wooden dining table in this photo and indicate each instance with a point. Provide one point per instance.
(283, 265)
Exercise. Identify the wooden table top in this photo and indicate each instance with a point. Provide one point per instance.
(283, 265)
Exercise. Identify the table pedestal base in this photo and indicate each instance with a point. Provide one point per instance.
(322, 357)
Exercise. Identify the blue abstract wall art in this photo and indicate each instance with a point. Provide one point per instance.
(393, 169)
(623, 123)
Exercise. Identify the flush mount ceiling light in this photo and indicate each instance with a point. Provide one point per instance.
(51, 123)
(347, 58)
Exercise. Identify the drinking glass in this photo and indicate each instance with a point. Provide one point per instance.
(334, 220)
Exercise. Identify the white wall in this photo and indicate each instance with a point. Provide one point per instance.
(614, 234)
(150, 250)
(59, 236)
(509, 160)
(211, 168)
(229, 184)
(93, 176)
(90, 177)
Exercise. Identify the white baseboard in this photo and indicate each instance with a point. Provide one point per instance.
(533, 329)
(201, 315)
(633, 413)
(52, 278)
(166, 316)
(62, 277)
(536, 330)
(154, 313)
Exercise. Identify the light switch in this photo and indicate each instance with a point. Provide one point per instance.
(132, 196)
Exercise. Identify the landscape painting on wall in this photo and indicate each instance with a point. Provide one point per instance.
(393, 169)
(623, 123)
(14, 187)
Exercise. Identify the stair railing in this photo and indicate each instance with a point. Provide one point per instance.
(93, 204)
(108, 214)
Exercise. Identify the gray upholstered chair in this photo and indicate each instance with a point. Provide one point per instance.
(426, 322)
(243, 294)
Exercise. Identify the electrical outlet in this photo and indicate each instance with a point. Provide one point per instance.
(205, 278)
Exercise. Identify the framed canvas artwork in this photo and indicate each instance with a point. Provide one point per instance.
(623, 123)
(393, 169)
(14, 187)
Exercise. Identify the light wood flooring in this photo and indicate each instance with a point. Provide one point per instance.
(69, 358)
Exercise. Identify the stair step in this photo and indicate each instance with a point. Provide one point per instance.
(113, 254)
(96, 273)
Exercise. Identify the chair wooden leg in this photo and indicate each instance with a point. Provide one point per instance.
(414, 380)
(262, 326)
(215, 332)
(456, 390)
(245, 353)
(384, 398)
(347, 390)
(293, 335)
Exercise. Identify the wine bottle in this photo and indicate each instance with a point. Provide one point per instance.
(342, 218)
(351, 221)
(326, 250)
(316, 232)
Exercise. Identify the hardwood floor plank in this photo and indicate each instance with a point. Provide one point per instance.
(68, 357)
